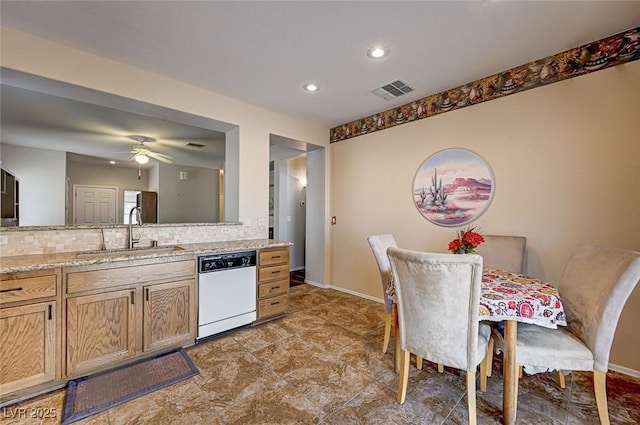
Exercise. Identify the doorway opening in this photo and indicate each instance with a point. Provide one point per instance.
(297, 204)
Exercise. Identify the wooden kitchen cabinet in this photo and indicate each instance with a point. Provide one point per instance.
(169, 314)
(27, 353)
(29, 325)
(273, 283)
(101, 329)
(121, 311)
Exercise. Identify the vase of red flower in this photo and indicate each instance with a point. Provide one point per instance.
(466, 242)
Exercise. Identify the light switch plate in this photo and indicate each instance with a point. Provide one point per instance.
(4, 239)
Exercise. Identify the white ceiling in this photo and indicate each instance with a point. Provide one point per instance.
(263, 52)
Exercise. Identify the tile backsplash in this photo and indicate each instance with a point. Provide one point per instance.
(44, 240)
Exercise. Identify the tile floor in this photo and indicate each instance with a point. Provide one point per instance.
(323, 364)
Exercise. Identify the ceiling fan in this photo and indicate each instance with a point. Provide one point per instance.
(141, 153)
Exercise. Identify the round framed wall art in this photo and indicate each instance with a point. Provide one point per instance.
(453, 187)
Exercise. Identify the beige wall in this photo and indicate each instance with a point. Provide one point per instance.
(566, 163)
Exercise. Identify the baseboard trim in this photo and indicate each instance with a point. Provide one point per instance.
(357, 294)
(312, 283)
(624, 370)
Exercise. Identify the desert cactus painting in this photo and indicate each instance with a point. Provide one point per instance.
(453, 187)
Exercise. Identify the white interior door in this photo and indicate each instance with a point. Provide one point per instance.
(94, 205)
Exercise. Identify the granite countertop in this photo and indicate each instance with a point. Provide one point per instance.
(23, 263)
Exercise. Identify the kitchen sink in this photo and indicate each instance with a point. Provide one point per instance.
(109, 253)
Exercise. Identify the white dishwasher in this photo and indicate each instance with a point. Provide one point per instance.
(226, 292)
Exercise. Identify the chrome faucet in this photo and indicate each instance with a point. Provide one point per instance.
(132, 240)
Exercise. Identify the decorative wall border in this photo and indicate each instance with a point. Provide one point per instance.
(605, 53)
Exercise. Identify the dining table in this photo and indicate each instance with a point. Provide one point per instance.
(512, 298)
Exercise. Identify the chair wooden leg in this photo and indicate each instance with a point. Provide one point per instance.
(483, 371)
(600, 387)
(396, 340)
(492, 342)
(520, 371)
(419, 362)
(561, 381)
(471, 397)
(403, 378)
(440, 368)
(387, 331)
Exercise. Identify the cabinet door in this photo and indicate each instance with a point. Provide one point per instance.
(100, 329)
(28, 349)
(169, 314)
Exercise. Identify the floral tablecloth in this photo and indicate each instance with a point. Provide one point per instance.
(511, 296)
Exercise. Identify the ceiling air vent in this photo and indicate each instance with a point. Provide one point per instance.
(194, 145)
(392, 90)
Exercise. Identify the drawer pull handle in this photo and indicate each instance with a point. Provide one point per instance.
(10, 290)
(50, 311)
(275, 272)
(147, 294)
(275, 287)
(275, 303)
(132, 293)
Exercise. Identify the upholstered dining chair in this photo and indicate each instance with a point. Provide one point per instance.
(438, 298)
(503, 252)
(379, 245)
(594, 288)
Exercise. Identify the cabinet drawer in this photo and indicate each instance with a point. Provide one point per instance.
(275, 256)
(128, 275)
(27, 288)
(273, 288)
(267, 274)
(273, 306)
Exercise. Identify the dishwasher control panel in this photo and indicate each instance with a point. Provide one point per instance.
(231, 260)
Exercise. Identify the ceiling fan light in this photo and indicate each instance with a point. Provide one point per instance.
(141, 158)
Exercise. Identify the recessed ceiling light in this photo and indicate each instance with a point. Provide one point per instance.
(377, 52)
(112, 162)
(311, 87)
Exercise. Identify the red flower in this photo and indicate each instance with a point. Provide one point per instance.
(472, 238)
(466, 242)
(454, 245)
